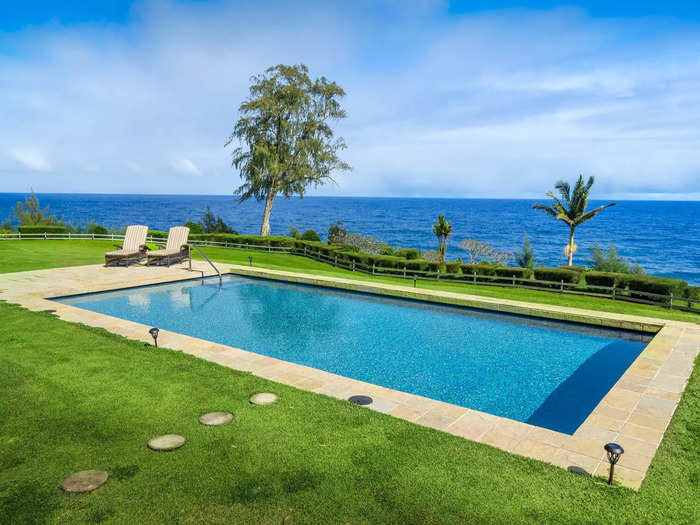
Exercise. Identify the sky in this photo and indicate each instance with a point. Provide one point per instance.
(444, 99)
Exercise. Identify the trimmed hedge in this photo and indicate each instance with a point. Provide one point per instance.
(518, 273)
(41, 228)
(557, 275)
(479, 269)
(609, 279)
(656, 285)
(452, 266)
(408, 253)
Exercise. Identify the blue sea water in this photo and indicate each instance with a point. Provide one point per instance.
(547, 373)
(661, 236)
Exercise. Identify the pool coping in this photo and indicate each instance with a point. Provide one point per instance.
(634, 413)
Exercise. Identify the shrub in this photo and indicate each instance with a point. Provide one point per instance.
(526, 257)
(195, 227)
(573, 268)
(693, 292)
(612, 262)
(479, 269)
(609, 279)
(656, 285)
(41, 228)
(310, 235)
(408, 253)
(157, 234)
(337, 233)
(557, 275)
(98, 230)
(417, 264)
(518, 273)
(452, 267)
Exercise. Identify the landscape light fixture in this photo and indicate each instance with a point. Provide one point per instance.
(250, 259)
(154, 334)
(614, 452)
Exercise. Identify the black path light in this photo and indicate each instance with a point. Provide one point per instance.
(614, 452)
(154, 334)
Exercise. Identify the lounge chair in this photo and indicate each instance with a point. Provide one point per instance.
(176, 249)
(132, 250)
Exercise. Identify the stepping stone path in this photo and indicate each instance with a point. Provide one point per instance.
(266, 398)
(166, 443)
(84, 481)
(360, 400)
(213, 419)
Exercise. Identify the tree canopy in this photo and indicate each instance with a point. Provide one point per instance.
(570, 207)
(284, 139)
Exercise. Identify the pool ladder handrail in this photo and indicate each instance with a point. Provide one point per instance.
(208, 260)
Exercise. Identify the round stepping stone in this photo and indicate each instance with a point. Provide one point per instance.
(266, 398)
(166, 443)
(213, 419)
(360, 400)
(84, 481)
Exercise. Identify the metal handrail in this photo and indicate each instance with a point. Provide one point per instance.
(208, 260)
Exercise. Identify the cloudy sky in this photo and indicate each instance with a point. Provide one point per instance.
(443, 99)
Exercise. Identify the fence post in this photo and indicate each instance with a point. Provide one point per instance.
(335, 261)
(561, 286)
(69, 236)
(437, 276)
(93, 236)
(45, 237)
(372, 268)
(353, 262)
(19, 235)
(513, 281)
(404, 272)
(474, 277)
(670, 301)
(613, 293)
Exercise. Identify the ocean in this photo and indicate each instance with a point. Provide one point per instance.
(662, 236)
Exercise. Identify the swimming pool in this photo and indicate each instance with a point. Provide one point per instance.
(546, 373)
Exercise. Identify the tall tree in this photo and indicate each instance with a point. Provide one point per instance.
(442, 230)
(31, 213)
(286, 143)
(570, 207)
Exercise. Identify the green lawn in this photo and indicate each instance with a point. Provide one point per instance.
(38, 254)
(75, 397)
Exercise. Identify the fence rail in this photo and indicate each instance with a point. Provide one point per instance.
(609, 292)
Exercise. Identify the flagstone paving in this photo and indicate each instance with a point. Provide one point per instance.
(634, 413)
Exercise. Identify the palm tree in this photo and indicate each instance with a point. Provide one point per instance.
(442, 230)
(571, 208)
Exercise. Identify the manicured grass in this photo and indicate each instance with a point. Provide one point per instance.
(20, 256)
(32, 255)
(76, 397)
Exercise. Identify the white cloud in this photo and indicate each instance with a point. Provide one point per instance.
(30, 158)
(187, 167)
(491, 104)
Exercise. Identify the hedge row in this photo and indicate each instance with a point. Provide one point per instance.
(42, 228)
(409, 259)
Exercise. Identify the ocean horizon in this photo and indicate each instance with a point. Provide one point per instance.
(659, 235)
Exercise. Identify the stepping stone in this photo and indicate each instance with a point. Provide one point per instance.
(213, 419)
(360, 400)
(84, 481)
(266, 398)
(166, 443)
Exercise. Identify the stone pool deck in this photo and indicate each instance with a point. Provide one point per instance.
(635, 412)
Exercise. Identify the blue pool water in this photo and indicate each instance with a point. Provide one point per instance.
(547, 373)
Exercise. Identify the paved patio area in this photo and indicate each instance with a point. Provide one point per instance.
(635, 413)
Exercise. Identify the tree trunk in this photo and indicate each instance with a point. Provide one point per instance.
(571, 247)
(265, 225)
